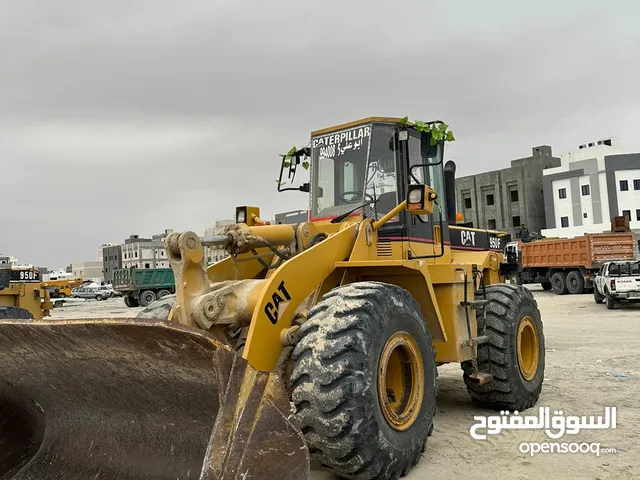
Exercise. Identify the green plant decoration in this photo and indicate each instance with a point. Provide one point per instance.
(438, 130)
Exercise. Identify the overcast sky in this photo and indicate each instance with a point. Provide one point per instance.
(126, 117)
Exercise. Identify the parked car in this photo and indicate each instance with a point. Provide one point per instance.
(89, 292)
(108, 290)
(617, 282)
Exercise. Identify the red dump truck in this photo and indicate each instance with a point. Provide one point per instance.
(568, 265)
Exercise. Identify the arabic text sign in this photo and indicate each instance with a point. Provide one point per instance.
(555, 425)
(335, 144)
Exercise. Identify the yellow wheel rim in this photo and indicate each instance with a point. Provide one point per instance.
(401, 381)
(527, 345)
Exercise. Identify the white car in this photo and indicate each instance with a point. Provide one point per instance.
(618, 282)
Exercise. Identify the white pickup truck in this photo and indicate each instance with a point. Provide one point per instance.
(617, 282)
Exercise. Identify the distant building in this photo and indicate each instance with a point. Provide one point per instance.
(293, 216)
(593, 184)
(91, 271)
(111, 254)
(505, 199)
(215, 254)
(60, 274)
(145, 252)
(8, 261)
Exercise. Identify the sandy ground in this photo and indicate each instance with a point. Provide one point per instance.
(593, 358)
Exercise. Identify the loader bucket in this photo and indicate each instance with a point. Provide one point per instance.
(138, 399)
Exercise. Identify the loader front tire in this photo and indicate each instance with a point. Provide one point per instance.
(514, 354)
(364, 381)
(15, 313)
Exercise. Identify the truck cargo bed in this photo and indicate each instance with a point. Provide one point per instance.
(589, 251)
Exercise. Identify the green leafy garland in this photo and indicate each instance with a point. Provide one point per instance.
(438, 130)
(292, 153)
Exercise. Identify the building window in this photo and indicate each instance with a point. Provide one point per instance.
(490, 200)
(638, 215)
(146, 265)
(584, 215)
(516, 221)
(562, 193)
(491, 224)
(564, 221)
(585, 190)
(627, 213)
(514, 195)
(624, 186)
(467, 202)
(636, 184)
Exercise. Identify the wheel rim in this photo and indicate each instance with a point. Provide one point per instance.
(527, 348)
(401, 381)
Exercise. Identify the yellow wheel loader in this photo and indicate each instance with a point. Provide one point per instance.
(22, 295)
(313, 345)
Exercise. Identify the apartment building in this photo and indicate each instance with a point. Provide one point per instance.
(91, 271)
(594, 183)
(292, 217)
(8, 261)
(215, 254)
(140, 252)
(505, 199)
(111, 254)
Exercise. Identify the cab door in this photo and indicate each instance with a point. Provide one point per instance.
(422, 230)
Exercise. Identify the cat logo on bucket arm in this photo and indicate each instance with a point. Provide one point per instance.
(420, 199)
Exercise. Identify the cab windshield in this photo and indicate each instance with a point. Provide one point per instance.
(351, 167)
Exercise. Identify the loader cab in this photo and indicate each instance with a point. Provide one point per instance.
(371, 163)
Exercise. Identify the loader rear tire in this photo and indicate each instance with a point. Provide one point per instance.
(514, 354)
(158, 310)
(15, 313)
(364, 381)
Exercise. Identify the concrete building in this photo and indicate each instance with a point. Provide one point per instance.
(505, 199)
(145, 252)
(60, 274)
(213, 254)
(111, 254)
(8, 261)
(294, 216)
(594, 183)
(91, 271)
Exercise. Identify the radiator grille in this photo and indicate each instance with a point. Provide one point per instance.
(384, 248)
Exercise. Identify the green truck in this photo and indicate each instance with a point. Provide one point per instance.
(141, 286)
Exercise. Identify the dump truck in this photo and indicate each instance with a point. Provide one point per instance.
(569, 265)
(141, 286)
(22, 294)
(313, 344)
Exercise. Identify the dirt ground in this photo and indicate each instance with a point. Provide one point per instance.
(592, 361)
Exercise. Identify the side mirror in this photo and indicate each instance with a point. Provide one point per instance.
(420, 199)
(426, 149)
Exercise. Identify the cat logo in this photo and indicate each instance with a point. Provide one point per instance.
(276, 307)
(468, 238)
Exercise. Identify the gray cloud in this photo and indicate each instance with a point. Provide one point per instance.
(131, 117)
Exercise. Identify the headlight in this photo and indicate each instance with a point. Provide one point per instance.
(415, 196)
(241, 216)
